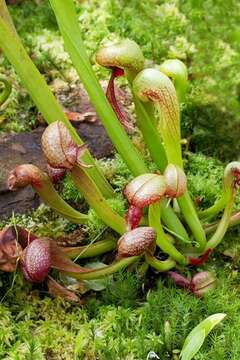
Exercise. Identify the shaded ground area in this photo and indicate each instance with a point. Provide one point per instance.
(16, 149)
(26, 148)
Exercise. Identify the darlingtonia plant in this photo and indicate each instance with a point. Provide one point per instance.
(151, 231)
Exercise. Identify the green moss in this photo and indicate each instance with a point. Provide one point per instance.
(128, 319)
(116, 172)
(114, 331)
(30, 16)
(95, 226)
(18, 114)
(69, 191)
(205, 176)
(42, 222)
(123, 290)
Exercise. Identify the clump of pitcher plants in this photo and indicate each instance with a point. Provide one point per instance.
(152, 231)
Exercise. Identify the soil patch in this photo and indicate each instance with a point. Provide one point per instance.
(26, 148)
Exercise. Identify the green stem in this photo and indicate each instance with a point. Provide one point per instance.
(174, 155)
(6, 91)
(171, 220)
(231, 173)
(181, 88)
(190, 215)
(50, 197)
(105, 271)
(222, 226)
(86, 251)
(234, 220)
(159, 265)
(214, 209)
(146, 122)
(220, 203)
(154, 214)
(69, 27)
(42, 95)
(150, 135)
(169, 128)
(96, 201)
(152, 85)
(177, 71)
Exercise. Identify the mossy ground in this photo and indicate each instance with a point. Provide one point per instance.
(127, 320)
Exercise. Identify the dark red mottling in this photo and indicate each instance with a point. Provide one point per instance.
(36, 260)
(110, 93)
(133, 217)
(201, 260)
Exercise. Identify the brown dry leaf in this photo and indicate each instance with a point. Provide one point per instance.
(233, 253)
(74, 238)
(10, 249)
(88, 116)
(78, 286)
(61, 262)
(57, 290)
(12, 241)
(81, 108)
(75, 117)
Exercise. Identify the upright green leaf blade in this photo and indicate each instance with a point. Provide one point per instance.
(193, 345)
(197, 336)
(39, 91)
(69, 27)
